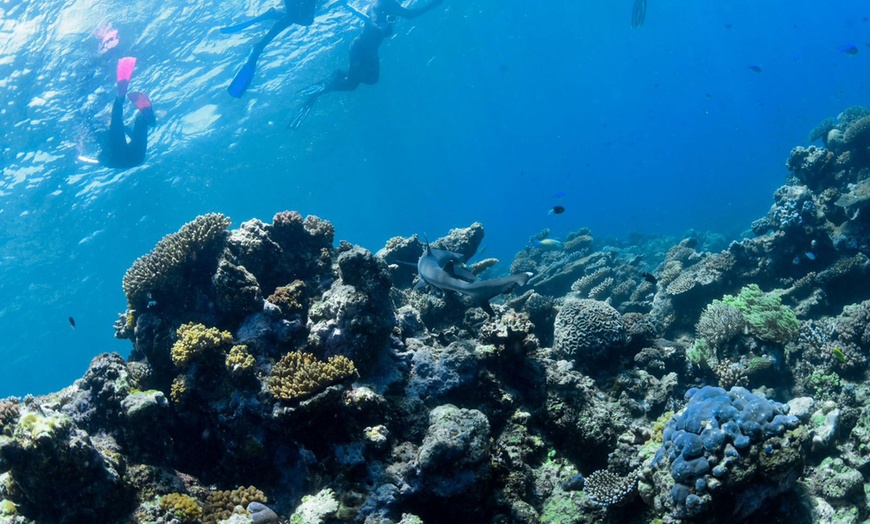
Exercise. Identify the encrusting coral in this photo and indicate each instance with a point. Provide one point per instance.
(300, 374)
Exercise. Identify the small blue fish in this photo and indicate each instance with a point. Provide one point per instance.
(548, 244)
(810, 255)
(849, 49)
(559, 194)
(754, 68)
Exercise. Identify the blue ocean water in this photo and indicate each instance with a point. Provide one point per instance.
(486, 109)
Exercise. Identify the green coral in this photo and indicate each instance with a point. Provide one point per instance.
(300, 374)
(702, 353)
(182, 507)
(764, 314)
(156, 275)
(194, 340)
(823, 384)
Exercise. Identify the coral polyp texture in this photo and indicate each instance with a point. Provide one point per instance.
(300, 374)
(695, 379)
(587, 328)
(163, 273)
(195, 339)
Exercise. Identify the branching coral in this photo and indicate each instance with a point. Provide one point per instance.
(239, 360)
(195, 339)
(300, 374)
(158, 272)
(764, 314)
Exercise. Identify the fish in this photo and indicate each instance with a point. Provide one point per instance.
(431, 272)
(839, 354)
(557, 210)
(849, 49)
(559, 194)
(638, 13)
(548, 244)
(649, 277)
(72, 322)
(810, 255)
(754, 68)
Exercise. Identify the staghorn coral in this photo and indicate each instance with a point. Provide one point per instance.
(158, 275)
(606, 488)
(300, 374)
(221, 505)
(182, 507)
(196, 339)
(586, 328)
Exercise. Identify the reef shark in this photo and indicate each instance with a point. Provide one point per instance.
(440, 274)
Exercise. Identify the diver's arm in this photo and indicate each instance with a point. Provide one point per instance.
(357, 13)
(392, 7)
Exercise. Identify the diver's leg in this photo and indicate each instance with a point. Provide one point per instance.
(245, 75)
(116, 136)
(139, 140)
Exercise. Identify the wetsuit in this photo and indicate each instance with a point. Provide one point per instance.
(117, 152)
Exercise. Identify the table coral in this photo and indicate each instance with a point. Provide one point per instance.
(300, 374)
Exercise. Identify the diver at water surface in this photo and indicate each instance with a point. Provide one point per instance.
(364, 65)
(117, 152)
(299, 12)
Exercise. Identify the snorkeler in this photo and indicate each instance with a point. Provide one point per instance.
(365, 64)
(117, 152)
(299, 12)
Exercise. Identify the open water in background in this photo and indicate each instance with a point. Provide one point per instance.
(485, 110)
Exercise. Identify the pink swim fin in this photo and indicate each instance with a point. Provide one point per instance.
(143, 103)
(125, 71)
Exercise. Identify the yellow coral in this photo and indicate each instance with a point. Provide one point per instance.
(182, 507)
(195, 339)
(239, 360)
(300, 374)
(178, 389)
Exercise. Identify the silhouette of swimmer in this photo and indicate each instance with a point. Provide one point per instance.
(117, 151)
(299, 12)
(365, 65)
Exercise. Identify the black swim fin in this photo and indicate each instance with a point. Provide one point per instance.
(271, 14)
(242, 80)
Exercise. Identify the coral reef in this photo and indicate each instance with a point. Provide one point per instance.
(347, 396)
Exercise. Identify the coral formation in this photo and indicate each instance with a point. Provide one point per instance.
(300, 374)
(162, 275)
(195, 340)
(547, 411)
(587, 329)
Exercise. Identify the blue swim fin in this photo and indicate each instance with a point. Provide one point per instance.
(242, 80)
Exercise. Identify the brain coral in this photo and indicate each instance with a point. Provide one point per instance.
(300, 374)
(586, 328)
(158, 275)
